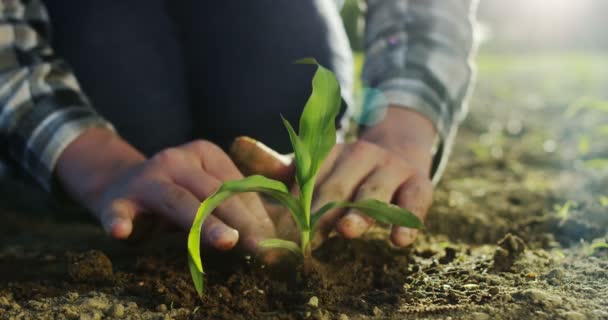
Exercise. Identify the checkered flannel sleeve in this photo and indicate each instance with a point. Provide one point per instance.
(42, 108)
(418, 56)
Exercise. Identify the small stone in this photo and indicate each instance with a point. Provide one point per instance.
(161, 308)
(493, 291)
(313, 302)
(116, 310)
(377, 311)
(480, 316)
(471, 286)
(574, 315)
(343, 317)
(531, 276)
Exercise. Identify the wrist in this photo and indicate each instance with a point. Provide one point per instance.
(92, 161)
(406, 133)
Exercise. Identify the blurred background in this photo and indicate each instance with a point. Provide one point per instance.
(535, 143)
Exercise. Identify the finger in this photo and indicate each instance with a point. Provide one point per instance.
(252, 228)
(380, 185)
(216, 163)
(180, 206)
(253, 157)
(216, 234)
(117, 218)
(340, 184)
(415, 195)
(329, 163)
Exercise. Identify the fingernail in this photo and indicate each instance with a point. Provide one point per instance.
(353, 225)
(120, 228)
(223, 238)
(405, 236)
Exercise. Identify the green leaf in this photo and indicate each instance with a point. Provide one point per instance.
(376, 209)
(282, 244)
(272, 188)
(302, 156)
(197, 276)
(317, 123)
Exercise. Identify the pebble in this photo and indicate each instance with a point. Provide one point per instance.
(313, 302)
(480, 316)
(343, 317)
(161, 308)
(471, 286)
(116, 310)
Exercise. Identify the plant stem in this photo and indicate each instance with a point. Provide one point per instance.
(306, 201)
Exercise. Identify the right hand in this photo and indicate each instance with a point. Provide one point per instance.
(119, 185)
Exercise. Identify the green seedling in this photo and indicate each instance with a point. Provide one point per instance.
(317, 137)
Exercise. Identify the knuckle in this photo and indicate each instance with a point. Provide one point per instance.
(362, 146)
(369, 190)
(396, 163)
(168, 156)
(334, 190)
(206, 146)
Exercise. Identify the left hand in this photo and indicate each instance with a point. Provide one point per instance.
(390, 162)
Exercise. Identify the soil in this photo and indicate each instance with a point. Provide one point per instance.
(515, 232)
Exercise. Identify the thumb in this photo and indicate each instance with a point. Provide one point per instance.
(117, 218)
(253, 157)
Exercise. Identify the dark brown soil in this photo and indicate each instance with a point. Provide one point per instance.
(498, 245)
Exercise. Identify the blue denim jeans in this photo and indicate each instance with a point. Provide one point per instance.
(166, 72)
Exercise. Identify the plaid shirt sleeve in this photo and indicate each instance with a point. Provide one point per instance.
(42, 108)
(418, 55)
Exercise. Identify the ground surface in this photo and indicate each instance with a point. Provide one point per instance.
(516, 231)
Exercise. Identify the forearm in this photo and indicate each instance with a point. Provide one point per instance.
(418, 56)
(92, 161)
(43, 109)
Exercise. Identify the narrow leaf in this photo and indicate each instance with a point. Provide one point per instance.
(272, 188)
(317, 123)
(197, 276)
(302, 156)
(282, 244)
(376, 209)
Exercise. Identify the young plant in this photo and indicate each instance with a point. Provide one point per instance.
(317, 137)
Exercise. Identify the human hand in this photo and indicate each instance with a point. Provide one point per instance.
(391, 162)
(119, 186)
